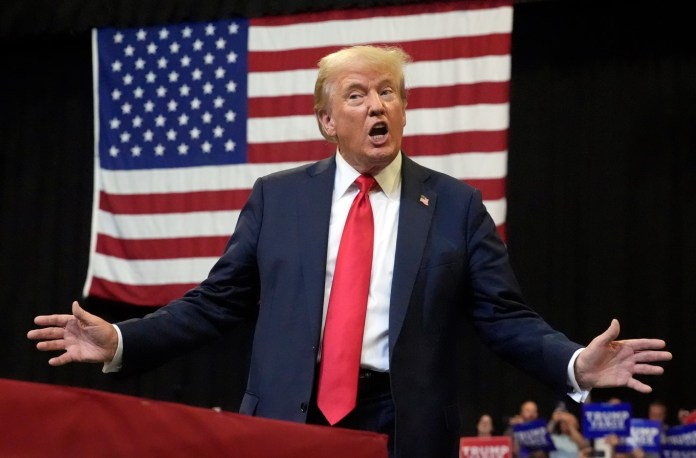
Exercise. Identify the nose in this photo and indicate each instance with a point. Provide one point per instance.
(375, 105)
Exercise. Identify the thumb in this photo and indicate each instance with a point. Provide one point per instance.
(79, 313)
(610, 334)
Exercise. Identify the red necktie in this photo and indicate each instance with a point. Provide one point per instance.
(345, 319)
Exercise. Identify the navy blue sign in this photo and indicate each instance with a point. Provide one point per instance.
(532, 435)
(645, 435)
(602, 419)
(680, 442)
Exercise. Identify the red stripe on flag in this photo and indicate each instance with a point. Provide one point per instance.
(181, 202)
(187, 247)
(497, 44)
(420, 97)
(502, 231)
(151, 295)
(313, 150)
(462, 94)
(290, 105)
(457, 142)
(491, 188)
(415, 145)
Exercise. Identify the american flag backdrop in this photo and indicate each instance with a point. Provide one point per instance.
(187, 116)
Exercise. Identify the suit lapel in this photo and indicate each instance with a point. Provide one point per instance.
(415, 214)
(313, 231)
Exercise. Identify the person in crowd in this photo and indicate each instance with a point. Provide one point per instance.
(657, 411)
(484, 426)
(567, 438)
(357, 270)
(528, 411)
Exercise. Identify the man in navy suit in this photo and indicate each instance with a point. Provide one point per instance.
(437, 259)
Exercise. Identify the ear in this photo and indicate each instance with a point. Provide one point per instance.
(327, 123)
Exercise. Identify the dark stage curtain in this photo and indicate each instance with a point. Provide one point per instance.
(601, 192)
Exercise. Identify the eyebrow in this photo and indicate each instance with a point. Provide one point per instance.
(359, 85)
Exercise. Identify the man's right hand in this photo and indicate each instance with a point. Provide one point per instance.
(84, 337)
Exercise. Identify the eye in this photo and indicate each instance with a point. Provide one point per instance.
(387, 93)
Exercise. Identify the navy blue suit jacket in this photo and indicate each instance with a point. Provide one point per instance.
(450, 264)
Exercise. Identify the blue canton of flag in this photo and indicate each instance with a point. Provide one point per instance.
(174, 96)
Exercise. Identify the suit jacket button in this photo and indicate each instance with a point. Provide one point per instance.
(303, 407)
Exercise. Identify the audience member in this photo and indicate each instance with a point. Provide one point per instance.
(485, 427)
(569, 442)
(657, 411)
(529, 410)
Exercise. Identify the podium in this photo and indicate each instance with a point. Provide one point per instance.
(47, 420)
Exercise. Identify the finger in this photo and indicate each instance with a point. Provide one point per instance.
(46, 334)
(52, 320)
(652, 356)
(648, 369)
(65, 358)
(644, 344)
(639, 386)
(51, 345)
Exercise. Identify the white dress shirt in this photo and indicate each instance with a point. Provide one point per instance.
(385, 200)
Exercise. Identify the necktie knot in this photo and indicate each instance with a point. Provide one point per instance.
(365, 183)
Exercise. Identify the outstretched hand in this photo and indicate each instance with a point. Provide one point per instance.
(607, 362)
(84, 337)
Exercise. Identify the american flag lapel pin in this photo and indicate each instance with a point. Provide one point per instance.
(424, 200)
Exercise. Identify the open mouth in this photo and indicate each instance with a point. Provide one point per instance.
(379, 132)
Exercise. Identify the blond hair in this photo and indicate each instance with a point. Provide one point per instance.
(392, 58)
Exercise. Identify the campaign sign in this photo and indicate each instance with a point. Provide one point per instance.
(680, 442)
(533, 435)
(645, 435)
(485, 447)
(602, 419)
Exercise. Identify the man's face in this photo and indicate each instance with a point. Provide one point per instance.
(529, 411)
(367, 117)
(657, 412)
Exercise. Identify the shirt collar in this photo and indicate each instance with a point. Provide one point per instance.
(389, 179)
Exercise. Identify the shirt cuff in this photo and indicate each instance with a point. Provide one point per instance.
(115, 364)
(578, 394)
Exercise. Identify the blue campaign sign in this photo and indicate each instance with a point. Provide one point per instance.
(645, 435)
(602, 419)
(533, 435)
(680, 442)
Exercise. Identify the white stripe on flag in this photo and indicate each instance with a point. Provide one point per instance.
(462, 118)
(468, 166)
(189, 179)
(152, 272)
(168, 225)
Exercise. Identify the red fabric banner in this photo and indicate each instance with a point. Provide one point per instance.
(47, 420)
